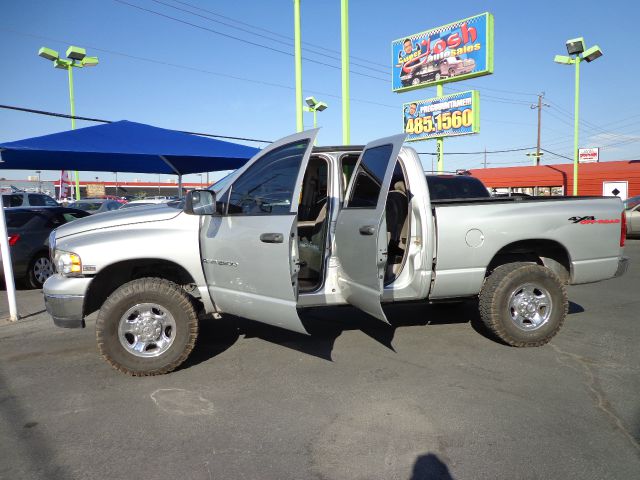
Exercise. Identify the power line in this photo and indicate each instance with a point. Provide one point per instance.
(479, 153)
(100, 120)
(199, 70)
(276, 33)
(251, 32)
(244, 40)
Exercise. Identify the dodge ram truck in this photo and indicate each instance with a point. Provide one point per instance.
(299, 226)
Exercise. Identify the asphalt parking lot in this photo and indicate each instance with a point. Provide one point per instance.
(430, 398)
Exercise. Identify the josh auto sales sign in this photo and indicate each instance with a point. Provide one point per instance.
(588, 155)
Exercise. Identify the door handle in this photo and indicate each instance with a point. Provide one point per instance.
(272, 238)
(367, 230)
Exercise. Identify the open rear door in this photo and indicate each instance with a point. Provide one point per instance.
(361, 236)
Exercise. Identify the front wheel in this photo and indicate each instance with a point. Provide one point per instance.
(40, 268)
(147, 327)
(523, 304)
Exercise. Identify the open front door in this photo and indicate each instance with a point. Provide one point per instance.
(250, 248)
(361, 235)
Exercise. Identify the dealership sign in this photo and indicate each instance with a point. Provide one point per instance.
(450, 53)
(588, 155)
(446, 116)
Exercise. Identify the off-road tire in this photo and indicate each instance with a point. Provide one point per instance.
(495, 310)
(147, 290)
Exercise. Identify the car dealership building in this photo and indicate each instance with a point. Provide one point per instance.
(618, 178)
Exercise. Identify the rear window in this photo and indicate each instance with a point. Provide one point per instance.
(453, 187)
(18, 219)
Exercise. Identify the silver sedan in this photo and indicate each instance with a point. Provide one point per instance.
(632, 210)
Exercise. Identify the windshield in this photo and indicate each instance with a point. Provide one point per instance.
(87, 206)
(223, 182)
(629, 203)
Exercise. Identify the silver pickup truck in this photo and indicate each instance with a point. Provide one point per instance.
(299, 227)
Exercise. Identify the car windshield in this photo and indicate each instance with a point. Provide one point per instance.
(88, 206)
(223, 182)
(629, 203)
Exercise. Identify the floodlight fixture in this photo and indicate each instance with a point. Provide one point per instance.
(48, 54)
(563, 59)
(311, 101)
(320, 106)
(89, 61)
(575, 46)
(591, 54)
(62, 63)
(76, 53)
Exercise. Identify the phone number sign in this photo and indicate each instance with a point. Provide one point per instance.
(446, 116)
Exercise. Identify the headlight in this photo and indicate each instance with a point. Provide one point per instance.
(52, 244)
(67, 263)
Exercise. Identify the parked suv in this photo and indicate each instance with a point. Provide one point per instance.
(27, 199)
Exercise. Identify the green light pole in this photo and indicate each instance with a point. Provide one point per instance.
(297, 47)
(344, 42)
(575, 48)
(76, 58)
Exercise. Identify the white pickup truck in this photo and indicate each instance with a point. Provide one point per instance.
(299, 226)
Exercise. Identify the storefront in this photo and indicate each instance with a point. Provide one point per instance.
(620, 179)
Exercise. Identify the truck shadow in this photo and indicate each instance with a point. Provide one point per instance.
(326, 324)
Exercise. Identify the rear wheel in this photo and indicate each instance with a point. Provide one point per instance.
(523, 304)
(147, 327)
(40, 268)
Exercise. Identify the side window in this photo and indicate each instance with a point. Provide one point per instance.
(36, 200)
(348, 166)
(267, 186)
(113, 206)
(49, 202)
(13, 200)
(369, 177)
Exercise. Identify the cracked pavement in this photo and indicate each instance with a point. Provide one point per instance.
(430, 398)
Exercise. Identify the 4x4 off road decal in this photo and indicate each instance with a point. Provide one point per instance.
(590, 220)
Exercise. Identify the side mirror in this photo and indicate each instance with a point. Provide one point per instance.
(200, 202)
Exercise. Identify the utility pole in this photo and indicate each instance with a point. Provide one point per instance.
(539, 107)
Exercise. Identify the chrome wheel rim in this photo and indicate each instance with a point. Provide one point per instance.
(42, 269)
(146, 330)
(530, 306)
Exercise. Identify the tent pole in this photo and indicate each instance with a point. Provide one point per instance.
(179, 186)
(8, 267)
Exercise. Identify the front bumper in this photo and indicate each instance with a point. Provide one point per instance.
(64, 300)
(623, 266)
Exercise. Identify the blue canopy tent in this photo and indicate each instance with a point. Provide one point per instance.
(124, 147)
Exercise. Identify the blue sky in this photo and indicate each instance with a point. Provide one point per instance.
(166, 73)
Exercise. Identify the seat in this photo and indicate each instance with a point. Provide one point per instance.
(397, 215)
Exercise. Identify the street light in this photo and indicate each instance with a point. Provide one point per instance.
(577, 53)
(314, 106)
(76, 58)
